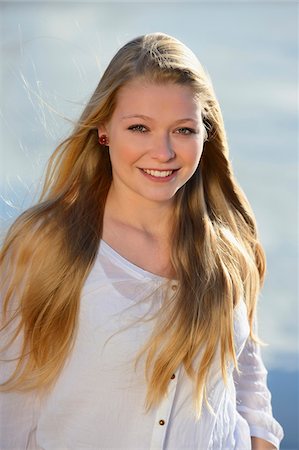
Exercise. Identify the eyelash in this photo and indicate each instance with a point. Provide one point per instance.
(139, 128)
(189, 130)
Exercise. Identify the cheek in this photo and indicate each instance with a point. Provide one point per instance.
(123, 152)
(195, 154)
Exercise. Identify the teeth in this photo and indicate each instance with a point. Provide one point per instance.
(158, 173)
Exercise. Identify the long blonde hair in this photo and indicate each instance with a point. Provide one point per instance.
(51, 248)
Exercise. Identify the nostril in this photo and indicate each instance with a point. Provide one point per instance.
(165, 154)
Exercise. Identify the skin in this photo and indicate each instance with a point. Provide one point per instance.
(149, 130)
(153, 127)
(261, 444)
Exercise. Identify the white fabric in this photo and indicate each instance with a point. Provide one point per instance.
(98, 400)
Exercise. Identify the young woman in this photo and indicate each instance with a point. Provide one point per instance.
(129, 291)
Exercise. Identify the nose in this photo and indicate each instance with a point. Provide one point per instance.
(162, 149)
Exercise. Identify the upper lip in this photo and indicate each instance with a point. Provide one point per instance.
(159, 170)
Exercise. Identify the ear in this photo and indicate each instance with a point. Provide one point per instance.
(102, 129)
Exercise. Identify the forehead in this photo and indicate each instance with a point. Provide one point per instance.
(145, 97)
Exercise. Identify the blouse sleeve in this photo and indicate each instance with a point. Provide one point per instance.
(17, 409)
(253, 396)
(17, 422)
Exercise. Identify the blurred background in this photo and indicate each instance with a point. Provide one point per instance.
(52, 55)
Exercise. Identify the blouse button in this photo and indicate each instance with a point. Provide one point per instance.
(174, 287)
(172, 376)
(161, 422)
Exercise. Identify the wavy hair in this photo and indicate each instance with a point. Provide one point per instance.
(50, 249)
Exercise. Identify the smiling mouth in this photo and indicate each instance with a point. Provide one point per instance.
(159, 173)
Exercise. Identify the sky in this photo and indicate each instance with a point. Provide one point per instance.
(52, 56)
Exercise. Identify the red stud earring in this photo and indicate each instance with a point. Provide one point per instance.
(103, 140)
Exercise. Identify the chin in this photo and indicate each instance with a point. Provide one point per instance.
(160, 198)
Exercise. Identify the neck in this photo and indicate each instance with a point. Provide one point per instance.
(146, 216)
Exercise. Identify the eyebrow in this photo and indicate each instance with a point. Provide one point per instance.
(141, 116)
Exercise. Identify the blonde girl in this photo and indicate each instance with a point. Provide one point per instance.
(129, 291)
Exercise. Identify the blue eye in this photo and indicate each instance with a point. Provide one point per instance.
(138, 128)
(185, 130)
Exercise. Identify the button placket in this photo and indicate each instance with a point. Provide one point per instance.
(163, 415)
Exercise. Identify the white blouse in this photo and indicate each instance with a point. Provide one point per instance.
(98, 400)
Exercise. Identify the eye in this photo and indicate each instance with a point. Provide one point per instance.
(138, 128)
(185, 130)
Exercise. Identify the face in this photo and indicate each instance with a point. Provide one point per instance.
(156, 137)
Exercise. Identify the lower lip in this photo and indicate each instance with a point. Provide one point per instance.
(160, 179)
